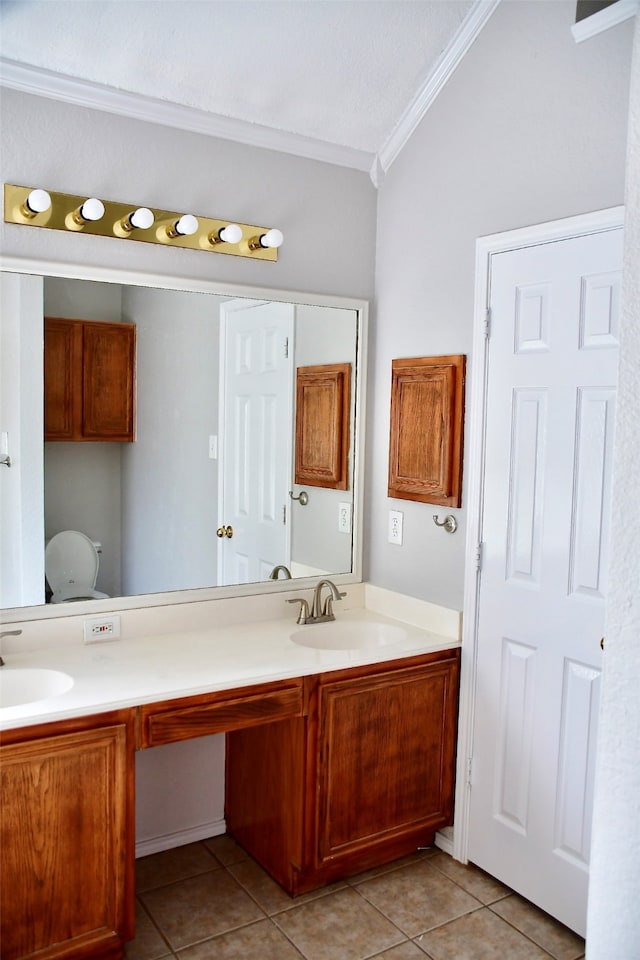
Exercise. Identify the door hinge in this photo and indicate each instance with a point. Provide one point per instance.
(284, 514)
(479, 555)
(487, 324)
(286, 348)
(469, 771)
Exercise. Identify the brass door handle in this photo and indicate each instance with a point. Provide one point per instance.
(225, 532)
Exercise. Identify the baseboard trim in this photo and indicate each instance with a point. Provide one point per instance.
(180, 838)
(444, 842)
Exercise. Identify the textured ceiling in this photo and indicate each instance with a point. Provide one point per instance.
(339, 71)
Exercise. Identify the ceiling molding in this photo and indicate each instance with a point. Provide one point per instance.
(608, 17)
(436, 80)
(84, 93)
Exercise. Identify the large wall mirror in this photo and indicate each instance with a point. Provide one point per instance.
(214, 447)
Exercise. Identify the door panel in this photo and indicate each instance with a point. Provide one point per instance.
(552, 370)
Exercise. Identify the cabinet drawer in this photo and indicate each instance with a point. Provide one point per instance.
(220, 712)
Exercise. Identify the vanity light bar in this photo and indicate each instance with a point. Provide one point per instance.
(127, 221)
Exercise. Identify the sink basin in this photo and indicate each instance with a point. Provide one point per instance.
(18, 686)
(348, 635)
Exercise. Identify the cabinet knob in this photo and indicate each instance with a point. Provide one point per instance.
(225, 531)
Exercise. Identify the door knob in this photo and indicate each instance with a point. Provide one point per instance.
(225, 531)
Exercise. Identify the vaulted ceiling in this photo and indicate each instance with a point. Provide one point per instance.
(340, 80)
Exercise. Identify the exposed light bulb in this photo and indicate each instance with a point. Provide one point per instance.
(231, 233)
(92, 209)
(37, 202)
(186, 225)
(272, 238)
(142, 218)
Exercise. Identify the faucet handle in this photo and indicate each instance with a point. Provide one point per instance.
(304, 615)
(327, 610)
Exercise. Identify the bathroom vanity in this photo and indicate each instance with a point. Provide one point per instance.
(336, 761)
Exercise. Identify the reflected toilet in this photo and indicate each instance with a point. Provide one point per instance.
(71, 566)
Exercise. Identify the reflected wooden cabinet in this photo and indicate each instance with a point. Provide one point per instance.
(365, 777)
(323, 398)
(89, 380)
(67, 864)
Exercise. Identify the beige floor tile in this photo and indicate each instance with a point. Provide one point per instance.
(393, 865)
(200, 907)
(550, 934)
(479, 936)
(148, 944)
(168, 866)
(226, 849)
(475, 881)
(417, 897)
(404, 951)
(341, 926)
(271, 897)
(259, 941)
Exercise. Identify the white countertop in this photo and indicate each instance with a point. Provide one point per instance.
(131, 671)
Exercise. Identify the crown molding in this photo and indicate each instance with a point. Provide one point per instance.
(608, 17)
(438, 77)
(83, 93)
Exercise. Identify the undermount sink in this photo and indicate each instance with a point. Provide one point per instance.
(19, 686)
(348, 635)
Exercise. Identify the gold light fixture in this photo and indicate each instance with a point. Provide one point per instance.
(35, 207)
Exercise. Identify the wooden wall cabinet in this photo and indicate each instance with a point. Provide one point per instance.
(427, 419)
(323, 408)
(89, 380)
(67, 831)
(366, 776)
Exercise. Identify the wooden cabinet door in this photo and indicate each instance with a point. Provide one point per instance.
(62, 378)
(107, 381)
(67, 843)
(89, 380)
(426, 440)
(386, 749)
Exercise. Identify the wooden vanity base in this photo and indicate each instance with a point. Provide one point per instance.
(364, 777)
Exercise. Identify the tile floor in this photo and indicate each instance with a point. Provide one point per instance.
(210, 901)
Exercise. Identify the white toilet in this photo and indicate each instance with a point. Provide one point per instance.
(71, 566)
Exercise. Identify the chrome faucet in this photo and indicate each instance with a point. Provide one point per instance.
(320, 612)
(275, 573)
(8, 633)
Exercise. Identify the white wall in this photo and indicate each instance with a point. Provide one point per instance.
(82, 480)
(76, 150)
(531, 127)
(613, 924)
(169, 484)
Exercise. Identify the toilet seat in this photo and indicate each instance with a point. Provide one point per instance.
(71, 566)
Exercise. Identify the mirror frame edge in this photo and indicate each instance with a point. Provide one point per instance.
(76, 271)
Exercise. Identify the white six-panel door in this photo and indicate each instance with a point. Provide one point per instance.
(255, 438)
(552, 369)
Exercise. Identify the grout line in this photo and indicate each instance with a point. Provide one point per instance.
(526, 935)
(155, 925)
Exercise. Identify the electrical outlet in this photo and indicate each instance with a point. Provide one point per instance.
(101, 630)
(395, 527)
(344, 518)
